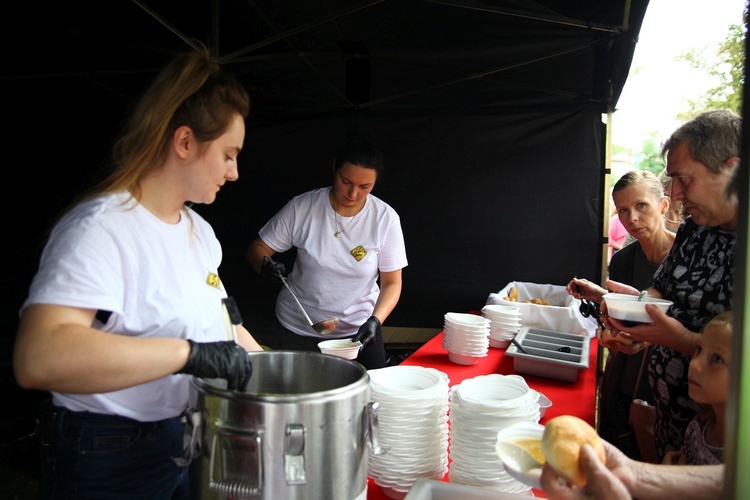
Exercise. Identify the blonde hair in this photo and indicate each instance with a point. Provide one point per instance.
(722, 319)
(640, 177)
(192, 90)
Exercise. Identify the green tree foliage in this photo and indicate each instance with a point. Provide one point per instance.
(726, 66)
(650, 156)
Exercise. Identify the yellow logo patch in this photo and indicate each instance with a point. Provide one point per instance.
(358, 253)
(213, 280)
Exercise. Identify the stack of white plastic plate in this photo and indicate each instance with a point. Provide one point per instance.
(413, 423)
(479, 408)
(466, 338)
(505, 322)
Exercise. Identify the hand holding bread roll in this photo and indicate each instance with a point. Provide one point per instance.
(561, 445)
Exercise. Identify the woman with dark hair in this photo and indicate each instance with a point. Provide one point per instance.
(350, 253)
(127, 301)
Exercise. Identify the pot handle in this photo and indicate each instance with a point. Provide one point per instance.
(372, 429)
(233, 456)
(294, 454)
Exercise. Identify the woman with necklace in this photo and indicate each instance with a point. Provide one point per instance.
(350, 253)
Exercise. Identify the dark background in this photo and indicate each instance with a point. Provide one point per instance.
(489, 113)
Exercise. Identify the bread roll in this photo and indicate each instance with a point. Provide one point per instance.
(561, 445)
(622, 340)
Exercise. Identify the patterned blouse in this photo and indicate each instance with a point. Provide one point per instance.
(697, 276)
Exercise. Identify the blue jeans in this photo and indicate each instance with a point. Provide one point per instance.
(87, 455)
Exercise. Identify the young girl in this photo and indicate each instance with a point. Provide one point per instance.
(708, 379)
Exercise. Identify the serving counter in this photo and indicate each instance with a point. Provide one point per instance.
(568, 398)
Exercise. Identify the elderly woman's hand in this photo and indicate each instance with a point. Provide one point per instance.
(602, 480)
(664, 330)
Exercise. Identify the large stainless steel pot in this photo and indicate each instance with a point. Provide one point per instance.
(301, 430)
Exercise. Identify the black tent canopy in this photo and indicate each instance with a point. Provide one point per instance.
(489, 112)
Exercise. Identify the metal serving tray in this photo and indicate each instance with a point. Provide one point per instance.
(551, 354)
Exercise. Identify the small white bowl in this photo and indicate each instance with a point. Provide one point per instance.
(408, 380)
(343, 348)
(466, 319)
(463, 359)
(499, 344)
(544, 403)
(527, 473)
(497, 391)
(627, 308)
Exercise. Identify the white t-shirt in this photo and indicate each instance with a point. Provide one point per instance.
(157, 279)
(334, 276)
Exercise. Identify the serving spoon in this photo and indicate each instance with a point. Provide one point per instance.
(323, 327)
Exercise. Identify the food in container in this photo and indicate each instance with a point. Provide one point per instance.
(628, 309)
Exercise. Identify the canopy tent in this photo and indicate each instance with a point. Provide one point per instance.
(489, 112)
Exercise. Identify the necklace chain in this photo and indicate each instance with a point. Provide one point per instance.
(338, 233)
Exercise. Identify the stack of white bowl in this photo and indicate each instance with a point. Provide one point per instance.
(479, 408)
(413, 423)
(505, 322)
(466, 337)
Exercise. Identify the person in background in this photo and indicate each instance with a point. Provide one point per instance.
(350, 256)
(641, 204)
(616, 236)
(708, 379)
(697, 274)
(674, 216)
(127, 302)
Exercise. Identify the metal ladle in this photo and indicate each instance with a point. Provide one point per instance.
(323, 327)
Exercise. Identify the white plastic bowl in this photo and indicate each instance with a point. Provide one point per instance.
(343, 348)
(499, 343)
(408, 381)
(513, 434)
(627, 308)
(466, 319)
(498, 391)
(464, 359)
(544, 403)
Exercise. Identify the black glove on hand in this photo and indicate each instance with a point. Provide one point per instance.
(272, 270)
(368, 330)
(225, 359)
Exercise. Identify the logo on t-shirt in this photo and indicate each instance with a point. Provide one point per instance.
(213, 280)
(358, 253)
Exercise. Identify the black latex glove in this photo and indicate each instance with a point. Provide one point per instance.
(226, 360)
(366, 333)
(272, 270)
